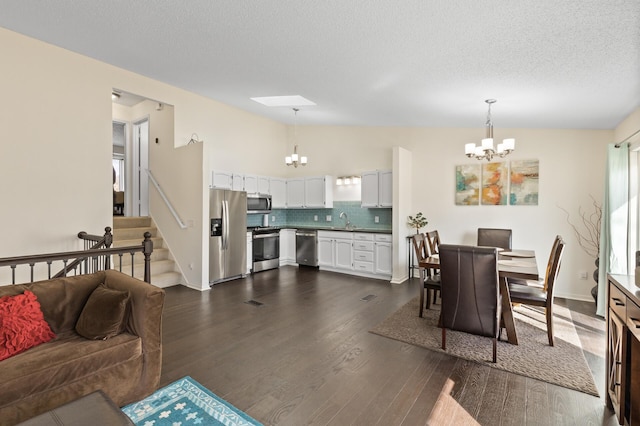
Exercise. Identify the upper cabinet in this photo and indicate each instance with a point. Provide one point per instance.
(222, 180)
(278, 191)
(251, 184)
(377, 189)
(318, 192)
(237, 182)
(263, 185)
(310, 192)
(295, 193)
(303, 192)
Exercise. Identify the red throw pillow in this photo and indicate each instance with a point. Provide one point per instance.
(22, 325)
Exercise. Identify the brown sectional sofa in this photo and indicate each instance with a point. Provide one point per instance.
(126, 367)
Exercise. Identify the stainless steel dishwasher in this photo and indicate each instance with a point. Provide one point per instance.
(307, 247)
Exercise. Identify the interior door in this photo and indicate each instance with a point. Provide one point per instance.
(141, 165)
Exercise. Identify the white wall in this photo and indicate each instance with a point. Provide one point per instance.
(56, 152)
(572, 164)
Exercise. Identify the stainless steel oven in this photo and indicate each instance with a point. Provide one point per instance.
(266, 248)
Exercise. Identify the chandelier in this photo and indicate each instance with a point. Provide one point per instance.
(485, 150)
(293, 159)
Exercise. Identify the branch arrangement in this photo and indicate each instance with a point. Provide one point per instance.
(588, 231)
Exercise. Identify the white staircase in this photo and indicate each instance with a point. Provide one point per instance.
(129, 231)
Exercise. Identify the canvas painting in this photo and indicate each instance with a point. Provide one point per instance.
(524, 183)
(494, 184)
(468, 185)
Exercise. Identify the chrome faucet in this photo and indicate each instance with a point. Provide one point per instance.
(347, 225)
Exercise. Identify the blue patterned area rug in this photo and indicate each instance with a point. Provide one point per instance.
(186, 402)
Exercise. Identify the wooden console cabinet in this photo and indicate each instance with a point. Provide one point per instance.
(623, 348)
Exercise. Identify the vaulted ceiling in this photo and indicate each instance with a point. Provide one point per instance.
(549, 63)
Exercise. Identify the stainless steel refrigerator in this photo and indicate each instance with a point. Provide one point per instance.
(227, 235)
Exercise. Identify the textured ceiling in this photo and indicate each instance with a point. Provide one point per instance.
(549, 63)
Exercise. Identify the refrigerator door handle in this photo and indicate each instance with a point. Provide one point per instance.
(225, 225)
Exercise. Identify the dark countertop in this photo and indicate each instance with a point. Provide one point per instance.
(336, 228)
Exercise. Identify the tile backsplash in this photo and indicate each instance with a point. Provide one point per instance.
(361, 218)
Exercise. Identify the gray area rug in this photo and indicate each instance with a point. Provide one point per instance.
(563, 364)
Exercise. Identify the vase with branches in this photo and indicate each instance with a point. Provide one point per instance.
(418, 221)
(587, 229)
(587, 232)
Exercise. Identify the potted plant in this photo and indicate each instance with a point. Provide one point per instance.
(418, 221)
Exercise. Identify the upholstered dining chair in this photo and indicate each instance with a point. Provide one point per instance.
(536, 296)
(493, 237)
(470, 292)
(430, 281)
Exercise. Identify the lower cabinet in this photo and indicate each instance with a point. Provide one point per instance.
(335, 250)
(623, 349)
(356, 253)
(287, 247)
(249, 252)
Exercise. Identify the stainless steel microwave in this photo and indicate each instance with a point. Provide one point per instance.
(258, 203)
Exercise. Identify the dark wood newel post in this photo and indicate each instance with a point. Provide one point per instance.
(147, 249)
(108, 240)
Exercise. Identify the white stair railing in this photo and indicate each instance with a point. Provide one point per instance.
(166, 200)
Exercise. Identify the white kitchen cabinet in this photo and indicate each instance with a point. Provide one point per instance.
(344, 254)
(263, 185)
(325, 252)
(310, 192)
(383, 255)
(318, 192)
(221, 179)
(363, 253)
(251, 184)
(287, 247)
(237, 182)
(295, 193)
(278, 191)
(357, 253)
(249, 252)
(335, 251)
(369, 189)
(377, 189)
(385, 188)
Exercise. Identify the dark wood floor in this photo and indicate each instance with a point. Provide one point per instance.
(305, 356)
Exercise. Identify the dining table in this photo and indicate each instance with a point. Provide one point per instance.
(511, 264)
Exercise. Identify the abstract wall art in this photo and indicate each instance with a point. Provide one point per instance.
(524, 183)
(494, 184)
(468, 185)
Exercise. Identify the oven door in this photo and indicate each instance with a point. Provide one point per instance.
(266, 251)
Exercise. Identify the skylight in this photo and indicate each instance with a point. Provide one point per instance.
(283, 101)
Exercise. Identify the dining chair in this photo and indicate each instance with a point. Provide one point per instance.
(470, 292)
(493, 237)
(541, 281)
(536, 296)
(430, 280)
(434, 241)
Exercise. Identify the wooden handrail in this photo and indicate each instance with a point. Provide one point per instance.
(83, 256)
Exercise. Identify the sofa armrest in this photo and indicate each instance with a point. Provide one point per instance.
(145, 320)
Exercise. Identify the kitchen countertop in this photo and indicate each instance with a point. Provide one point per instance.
(337, 228)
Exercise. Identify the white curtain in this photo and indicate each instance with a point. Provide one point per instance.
(615, 230)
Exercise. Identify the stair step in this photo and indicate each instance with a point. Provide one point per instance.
(166, 279)
(131, 222)
(159, 253)
(133, 232)
(129, 231)
(157, 267)
(157, 243)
